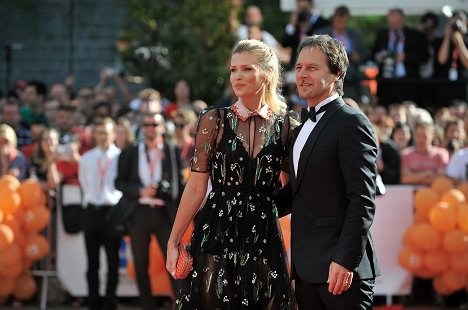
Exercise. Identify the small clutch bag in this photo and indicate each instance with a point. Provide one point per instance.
(184, 262)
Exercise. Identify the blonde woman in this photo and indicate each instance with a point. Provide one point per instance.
(12, 161)
(239, 258)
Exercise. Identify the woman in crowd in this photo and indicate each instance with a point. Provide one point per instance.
(123, 133)
(12, 161)
(184, 120)
(44, 159)
(239, 258)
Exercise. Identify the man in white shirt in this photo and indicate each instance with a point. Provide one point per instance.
(97, 172)
(333, 181)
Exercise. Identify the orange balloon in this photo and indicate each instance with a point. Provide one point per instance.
(410, 259)
(9, 201)
(420, 217)
(10, 182)
(454, 281)
(36, 218)
(10, 255)
(459, 263)
(424, 199)
(424, 274)
(463, 187)
(25, 287)
(11, 271)
(26, 263)
(463, 218)
(31, 193)
(454, 198)
(1, 216)
(456, 242)
(443, 217)
(440, 286)
(407, 236)
(36, 247)
(6, 236)
(437, 261)
(7, 286)
(441, 184)
(425, 237)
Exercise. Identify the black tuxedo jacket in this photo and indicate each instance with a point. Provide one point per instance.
(129, 183)
(333, 196)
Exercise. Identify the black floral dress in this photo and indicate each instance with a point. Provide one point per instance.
(238, 249)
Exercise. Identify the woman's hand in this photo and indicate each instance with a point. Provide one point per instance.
(171, 261)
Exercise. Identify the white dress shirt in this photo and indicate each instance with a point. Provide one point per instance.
(97, 171)
(150, 174)
(306, 130)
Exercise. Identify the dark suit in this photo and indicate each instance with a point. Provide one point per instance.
(333, 206)
(146, 220)
(415, 48)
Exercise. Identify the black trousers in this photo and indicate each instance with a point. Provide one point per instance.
(147, 221)
(313, 296)
(96, 234)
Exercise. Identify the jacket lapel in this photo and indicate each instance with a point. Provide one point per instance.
(310, 143)
(292, 174)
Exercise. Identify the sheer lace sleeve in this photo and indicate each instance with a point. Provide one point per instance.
(205, 140)
(291, 121)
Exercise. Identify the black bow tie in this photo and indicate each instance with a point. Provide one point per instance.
(312, 115)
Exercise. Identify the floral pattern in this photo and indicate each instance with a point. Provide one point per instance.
(239, 258)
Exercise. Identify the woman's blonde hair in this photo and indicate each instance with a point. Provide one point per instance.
(269, 65)
(6, 132)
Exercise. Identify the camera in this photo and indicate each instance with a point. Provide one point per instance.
(303, 17)
(164, 190)
(459, 23)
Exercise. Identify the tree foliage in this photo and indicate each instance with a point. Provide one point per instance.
(180, 39)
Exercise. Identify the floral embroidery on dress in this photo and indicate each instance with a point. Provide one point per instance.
(239, 259)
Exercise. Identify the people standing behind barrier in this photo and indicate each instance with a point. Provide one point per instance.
(398, 49)
(123, 133)
(182, 98)
(253, 29)
(149, 176)
(10, 115)
(97, 173)
(453, 53)
(353, 42)
(12, 161)
(44, 160)
(401, 136)
(454, 135)
(428, 25)
(423, 162)
(33, 109)
(184, 122)
(304, 22)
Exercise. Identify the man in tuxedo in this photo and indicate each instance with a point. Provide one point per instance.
(333, 182)
(149, 176)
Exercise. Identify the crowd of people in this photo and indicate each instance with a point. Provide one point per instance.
(144, 141)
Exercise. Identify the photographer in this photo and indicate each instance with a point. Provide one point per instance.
(453, 54)
(304, 22)
(149, 176)
(398, 49)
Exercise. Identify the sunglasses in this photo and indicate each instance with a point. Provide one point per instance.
(151, 124)
(179, 125)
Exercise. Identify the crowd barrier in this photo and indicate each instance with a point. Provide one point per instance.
(394, 213)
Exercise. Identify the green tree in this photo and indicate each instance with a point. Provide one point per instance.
(180, 39)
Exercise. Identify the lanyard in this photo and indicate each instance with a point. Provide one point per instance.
(454, 58)
(102, 167)
(152, 161)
